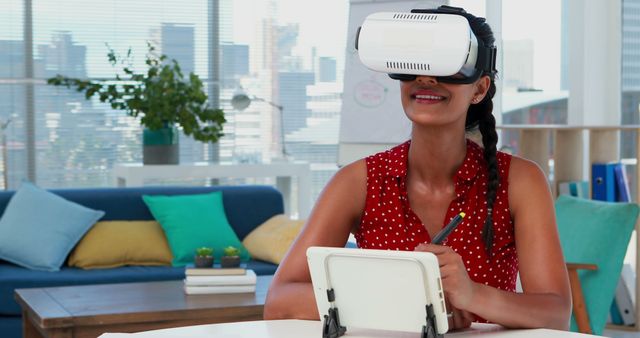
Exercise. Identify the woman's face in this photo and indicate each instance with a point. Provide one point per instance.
(431, 103)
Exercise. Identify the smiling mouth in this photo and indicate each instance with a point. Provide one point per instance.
(428, 98)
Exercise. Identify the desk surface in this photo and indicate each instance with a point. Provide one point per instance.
(305, 328)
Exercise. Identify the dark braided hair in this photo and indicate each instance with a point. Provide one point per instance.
(480, 115)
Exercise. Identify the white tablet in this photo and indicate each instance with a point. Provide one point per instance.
(379, 289)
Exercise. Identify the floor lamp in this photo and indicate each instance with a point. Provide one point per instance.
(240, 101)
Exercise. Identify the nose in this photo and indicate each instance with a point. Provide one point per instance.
(427, 80)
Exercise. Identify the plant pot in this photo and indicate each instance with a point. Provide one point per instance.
(230, 261)
(203, 261)
(160, 146)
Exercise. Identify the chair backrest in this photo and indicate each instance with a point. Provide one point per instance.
(595, 232)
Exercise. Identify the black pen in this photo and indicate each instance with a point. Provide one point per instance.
(439, 238)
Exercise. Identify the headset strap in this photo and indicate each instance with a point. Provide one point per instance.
(487, 55)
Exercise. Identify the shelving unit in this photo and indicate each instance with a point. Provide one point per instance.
(566, 146)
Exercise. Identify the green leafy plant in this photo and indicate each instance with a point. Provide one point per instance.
(231, 251)
(161, 97)
(204, 251)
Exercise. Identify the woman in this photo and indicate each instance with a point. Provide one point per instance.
(399, 199)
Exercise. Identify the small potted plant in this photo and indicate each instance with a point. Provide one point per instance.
(231, 258)
(203, 257)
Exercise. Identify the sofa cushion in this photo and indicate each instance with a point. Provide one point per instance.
(14, 277)
(38, 229)
(246, 206)
(194, 221)
(111, 244)
(271, 240)
(595, 232)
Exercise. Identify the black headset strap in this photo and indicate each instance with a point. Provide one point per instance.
(486, 61)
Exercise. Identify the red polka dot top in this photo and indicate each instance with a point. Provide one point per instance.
(389, 223)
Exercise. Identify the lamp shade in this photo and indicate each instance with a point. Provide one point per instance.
(240, 101)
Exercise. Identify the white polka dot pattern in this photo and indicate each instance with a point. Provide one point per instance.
(389, 223)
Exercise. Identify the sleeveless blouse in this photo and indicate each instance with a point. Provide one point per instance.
(389, 223)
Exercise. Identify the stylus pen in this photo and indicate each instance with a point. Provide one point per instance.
(439, 238)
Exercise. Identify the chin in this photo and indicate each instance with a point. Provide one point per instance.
(430, 120)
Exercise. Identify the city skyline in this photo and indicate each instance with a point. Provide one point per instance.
(311, 55)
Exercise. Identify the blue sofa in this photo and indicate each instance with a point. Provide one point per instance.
(246, 207)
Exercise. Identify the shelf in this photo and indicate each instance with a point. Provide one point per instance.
(575, 147)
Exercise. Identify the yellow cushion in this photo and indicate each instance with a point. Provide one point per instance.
(271, 240)
(111, 244)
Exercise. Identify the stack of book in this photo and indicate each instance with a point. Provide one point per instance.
(219, 280)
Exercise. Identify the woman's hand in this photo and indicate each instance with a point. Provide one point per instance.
(458, 287)
(458, 319)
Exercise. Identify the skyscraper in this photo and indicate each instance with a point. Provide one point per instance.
(293, 97)
(11, 59)
(62, 56)
(630, 73)
(327, 69)
(287, 38)
(235, 64)
(630, 45)
(178, 42)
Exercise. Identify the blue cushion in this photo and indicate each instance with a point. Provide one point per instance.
(39, 229)
(14, 277)
(194, 221)
(246, 206)
(595, 232)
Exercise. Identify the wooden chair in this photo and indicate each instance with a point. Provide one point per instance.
(579, 306)
(595, 234)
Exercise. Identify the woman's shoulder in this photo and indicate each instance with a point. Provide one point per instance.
(353, 170)
(388, 162)
(521, 166)
(525, 174)
(350, 175)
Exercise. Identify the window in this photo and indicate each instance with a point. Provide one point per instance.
(535, 85)
(284, 53)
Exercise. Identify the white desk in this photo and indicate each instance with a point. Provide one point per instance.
(135, 174)
(306, 328)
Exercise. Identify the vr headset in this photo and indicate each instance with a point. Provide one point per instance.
(435, 42)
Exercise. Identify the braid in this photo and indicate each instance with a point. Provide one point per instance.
(487, 126)
(480, 115)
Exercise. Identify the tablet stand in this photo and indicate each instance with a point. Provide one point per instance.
(331, 327)
(431, 329)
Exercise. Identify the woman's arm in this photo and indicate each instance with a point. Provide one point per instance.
(546, 298)
(336, 212)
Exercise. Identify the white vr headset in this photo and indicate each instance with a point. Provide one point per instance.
(435, 42)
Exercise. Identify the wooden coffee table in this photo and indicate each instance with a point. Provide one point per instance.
(90, 310)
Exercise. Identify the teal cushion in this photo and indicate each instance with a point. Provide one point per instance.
(595, 232)
(38, 228)
(193, 221)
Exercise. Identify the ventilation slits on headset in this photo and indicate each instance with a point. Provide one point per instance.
(395, 65)
(412, 16)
